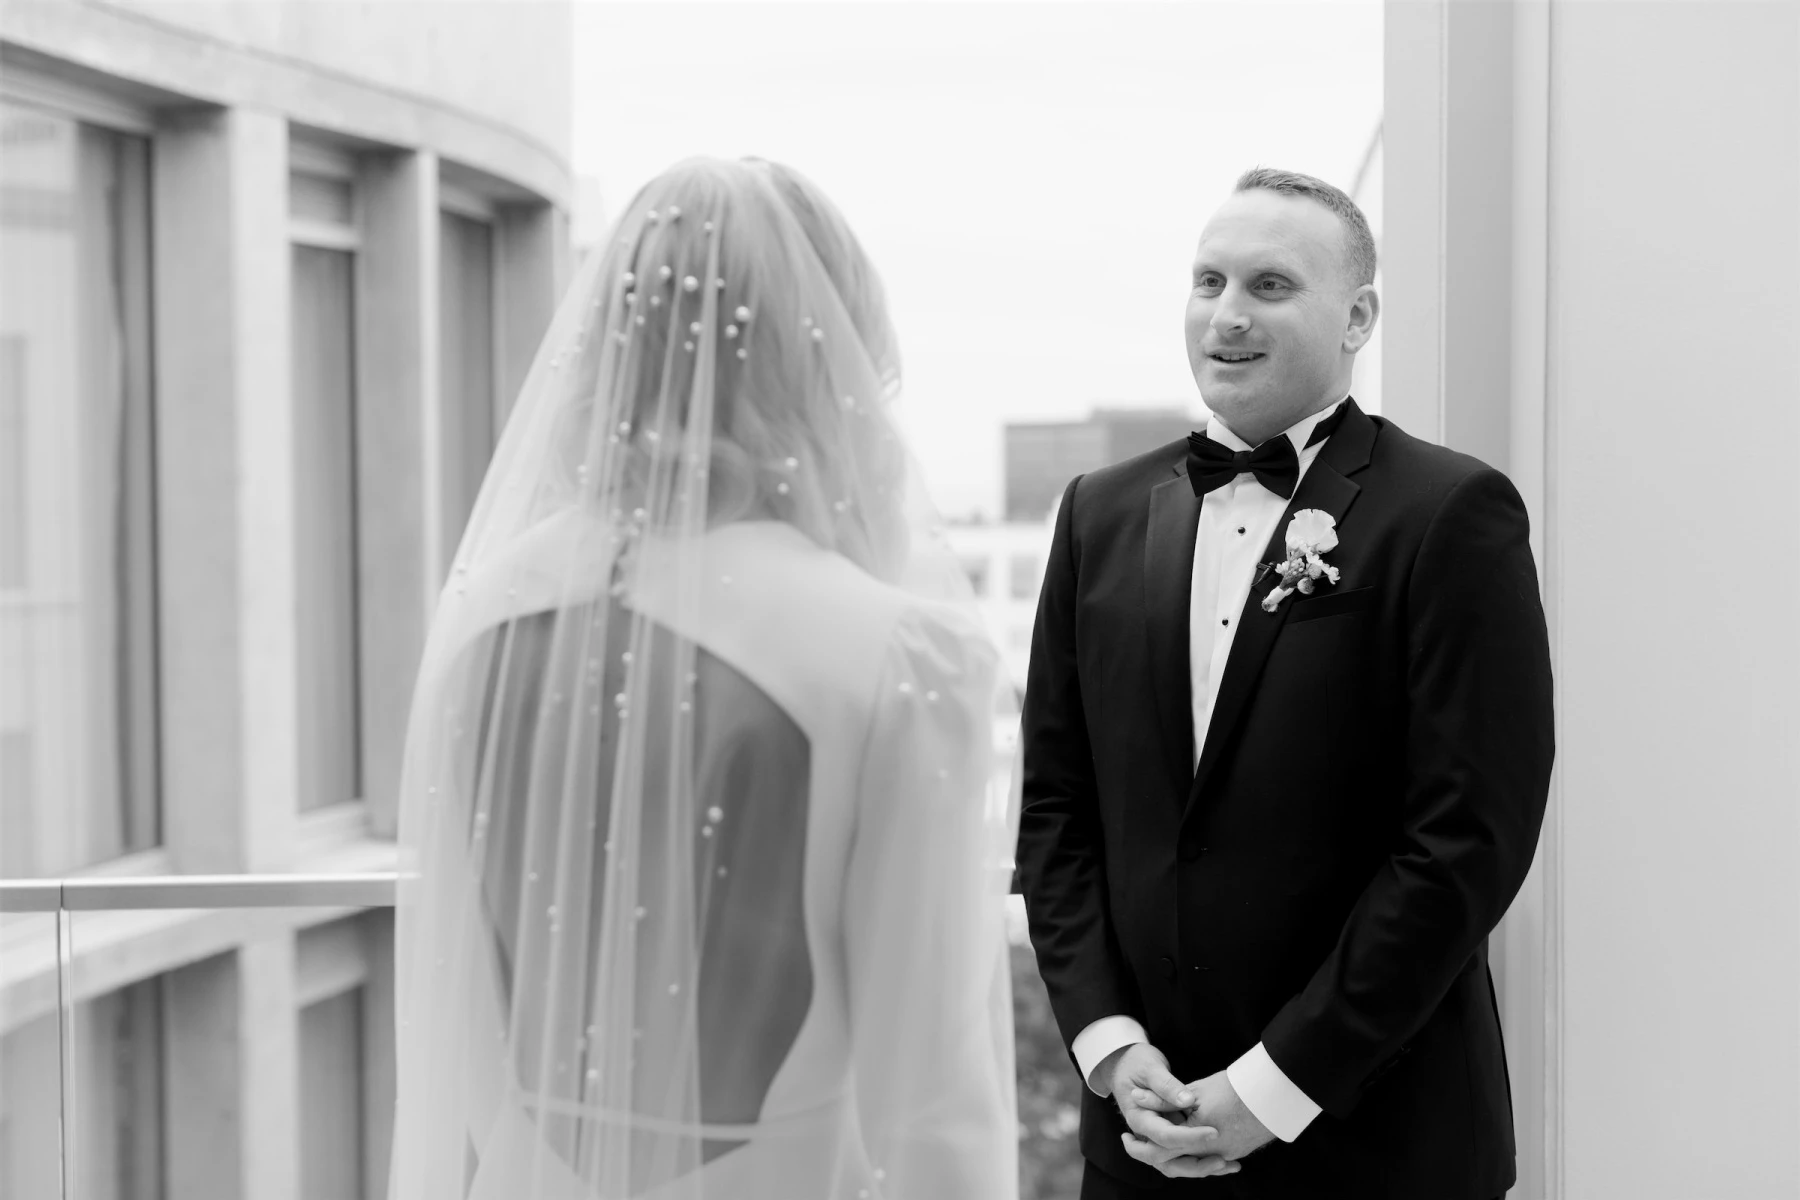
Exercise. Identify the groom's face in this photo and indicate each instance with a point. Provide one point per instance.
(1267, 313)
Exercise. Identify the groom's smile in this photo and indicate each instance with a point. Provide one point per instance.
(1235, 358)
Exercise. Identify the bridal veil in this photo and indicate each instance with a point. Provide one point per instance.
(591, 943)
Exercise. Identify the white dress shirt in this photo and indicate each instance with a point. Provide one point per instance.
(1236, 523)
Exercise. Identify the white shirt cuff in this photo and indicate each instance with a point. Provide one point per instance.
(1100, 1039)
(1270, 1095)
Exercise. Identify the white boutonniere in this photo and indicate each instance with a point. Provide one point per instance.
(1311, 534)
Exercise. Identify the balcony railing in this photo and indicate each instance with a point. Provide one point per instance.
(373, 889)
(66, 943)
(42, 973)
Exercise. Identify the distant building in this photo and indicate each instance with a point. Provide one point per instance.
(1005, 559)
(269, 276)
(1041, 457)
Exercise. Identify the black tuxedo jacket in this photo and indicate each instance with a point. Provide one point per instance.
(1366, 806)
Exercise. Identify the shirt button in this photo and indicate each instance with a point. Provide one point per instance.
(1225, 620)
(1240, 529)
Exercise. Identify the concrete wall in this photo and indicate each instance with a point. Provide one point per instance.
(1675, 333)
(1592, 246)
(469, 54)
(482, 84)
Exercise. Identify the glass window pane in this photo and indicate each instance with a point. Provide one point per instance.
(332, 1163)
(317, 198)
(325, 516)
(114, 1143)
(77, 608)
(118, 1082)
(31, 1090)
(466, 364)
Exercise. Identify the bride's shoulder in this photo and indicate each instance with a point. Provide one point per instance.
(844, 621)
(945, 645)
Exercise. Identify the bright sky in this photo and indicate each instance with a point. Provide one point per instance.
(1030, 179)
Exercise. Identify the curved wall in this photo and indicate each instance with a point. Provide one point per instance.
(480, 83)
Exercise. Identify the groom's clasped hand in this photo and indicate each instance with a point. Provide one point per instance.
(1184, 1130)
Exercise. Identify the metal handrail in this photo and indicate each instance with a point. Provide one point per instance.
(30, 895)
(368, 889)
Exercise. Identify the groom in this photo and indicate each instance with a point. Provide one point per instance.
(1283, 775)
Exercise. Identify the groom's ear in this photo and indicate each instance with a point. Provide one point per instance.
(1365, 310)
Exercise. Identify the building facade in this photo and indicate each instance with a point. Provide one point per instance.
(1042, 456)
(1004, 559)
(268, 275)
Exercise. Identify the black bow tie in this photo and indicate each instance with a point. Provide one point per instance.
(1274, 463)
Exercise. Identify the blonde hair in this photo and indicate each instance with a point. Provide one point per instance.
(786, 442)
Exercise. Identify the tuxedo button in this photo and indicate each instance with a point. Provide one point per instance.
(1168, 967)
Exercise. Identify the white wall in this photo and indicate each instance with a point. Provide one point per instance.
(1593, 281)
(1674, 405)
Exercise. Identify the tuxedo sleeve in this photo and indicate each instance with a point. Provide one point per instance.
(1479, 744)
(1061, 854)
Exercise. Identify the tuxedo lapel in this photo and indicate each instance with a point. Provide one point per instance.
(1329, 488)
(1168, 578)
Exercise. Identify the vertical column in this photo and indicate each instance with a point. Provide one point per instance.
(1448, 222)
(269, 1071)
(399, 464)
(226, 491)
(1477, 229)
(1465, 270)
(229, 702)
(1412, 199)
(1527, 951)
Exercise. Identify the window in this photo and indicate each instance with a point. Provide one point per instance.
(333, 1155)
(78, 769)
(976, 568)
(324, 383)
(344, 973)
(471, 410)
(116, 1137)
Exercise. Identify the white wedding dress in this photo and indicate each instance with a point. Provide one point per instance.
(888, 701)
(705, 855)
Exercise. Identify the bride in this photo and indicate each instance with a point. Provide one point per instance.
(704, 867)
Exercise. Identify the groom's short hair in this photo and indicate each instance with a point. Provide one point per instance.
(1359, 243)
